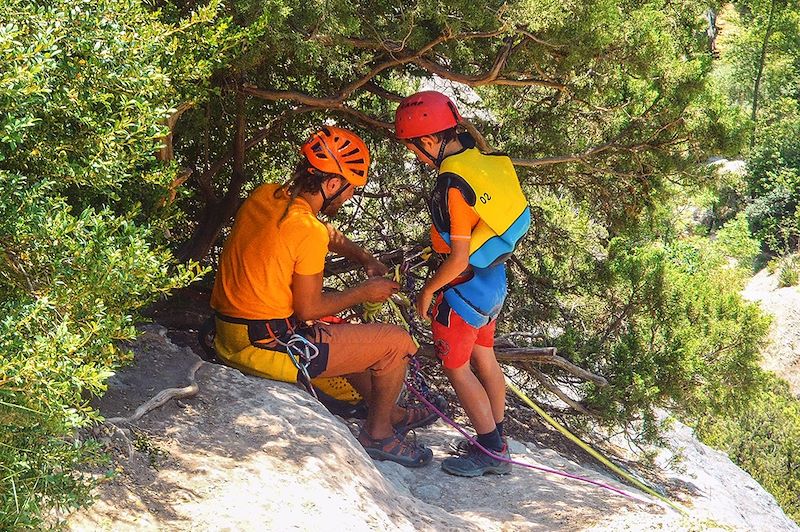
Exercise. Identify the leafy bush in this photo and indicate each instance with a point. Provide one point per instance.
(70, 283)
(773, 219)
(789, 275)
(788, 269)
(664, 323)
(680, 335)
(724, 197)
(83, 97)
(735, 241)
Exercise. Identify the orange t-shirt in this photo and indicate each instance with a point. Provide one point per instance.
(463, 220)
(263, 251)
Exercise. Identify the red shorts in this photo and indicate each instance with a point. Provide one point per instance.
(453, 338)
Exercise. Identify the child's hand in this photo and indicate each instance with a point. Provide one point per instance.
(423, 303)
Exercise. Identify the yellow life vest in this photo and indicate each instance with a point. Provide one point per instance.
(490, 185)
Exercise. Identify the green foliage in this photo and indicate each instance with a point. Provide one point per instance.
(688, 340)
(760, 42)
(734, 240)
(724, 196)
(772, 219)
(663, 322)
(84, 91)
(788, 269)
(774, 178)
(762, 437)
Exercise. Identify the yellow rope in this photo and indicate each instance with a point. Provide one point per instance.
(372, 309)
(603, 460)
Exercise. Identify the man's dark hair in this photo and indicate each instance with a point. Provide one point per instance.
(305, 178)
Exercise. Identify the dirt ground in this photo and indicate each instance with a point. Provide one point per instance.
(782, 356)
(251, 454)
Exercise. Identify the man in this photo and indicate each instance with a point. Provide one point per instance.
(479, 214)
(269, 285)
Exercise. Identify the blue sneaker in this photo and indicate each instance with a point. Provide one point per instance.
(476, 463)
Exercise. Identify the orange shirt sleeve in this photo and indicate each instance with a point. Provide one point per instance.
(310, 241)
(463, 220)
(437, 242)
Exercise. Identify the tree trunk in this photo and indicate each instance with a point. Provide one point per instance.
(762, 59)
(218, 213)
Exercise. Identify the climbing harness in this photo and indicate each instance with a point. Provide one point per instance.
(301, 358)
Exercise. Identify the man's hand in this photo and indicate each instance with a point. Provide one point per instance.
(423, 303)
(375, 268)
(378, 289)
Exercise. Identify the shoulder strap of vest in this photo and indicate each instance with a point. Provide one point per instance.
(440, 212)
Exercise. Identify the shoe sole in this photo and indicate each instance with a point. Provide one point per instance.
(490, 470)
(377, 454)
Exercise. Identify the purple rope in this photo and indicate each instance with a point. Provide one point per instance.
(488, 452)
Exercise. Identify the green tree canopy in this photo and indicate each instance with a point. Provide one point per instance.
(133, 129)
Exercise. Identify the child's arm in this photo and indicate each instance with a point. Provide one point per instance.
(452, 267)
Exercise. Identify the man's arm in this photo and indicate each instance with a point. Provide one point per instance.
(311, 303)
(341, 245)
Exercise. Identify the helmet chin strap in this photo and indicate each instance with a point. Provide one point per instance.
(437, 161)
(440, 157)
(326, 201)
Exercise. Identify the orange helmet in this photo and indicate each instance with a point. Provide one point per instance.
(334, 150)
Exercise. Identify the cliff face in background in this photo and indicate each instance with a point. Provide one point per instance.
(783, 354)
(251, 454)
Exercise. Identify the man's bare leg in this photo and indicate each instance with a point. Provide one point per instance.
(362, 382)
(383, 402)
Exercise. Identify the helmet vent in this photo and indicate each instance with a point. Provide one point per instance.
(338, 151)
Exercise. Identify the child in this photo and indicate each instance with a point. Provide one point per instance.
(479, 214)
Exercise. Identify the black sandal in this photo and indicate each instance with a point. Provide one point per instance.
(395, 449)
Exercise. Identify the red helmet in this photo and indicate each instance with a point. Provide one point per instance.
(334, 150)
(425, 113)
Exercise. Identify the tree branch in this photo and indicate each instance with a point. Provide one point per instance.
(379, 91)
(524, 31)
(575, 405)
(480, 140)
(335, 101)
(166, 153)
(546, 355)
(490, 78)
(387, 127)
(16, 265)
